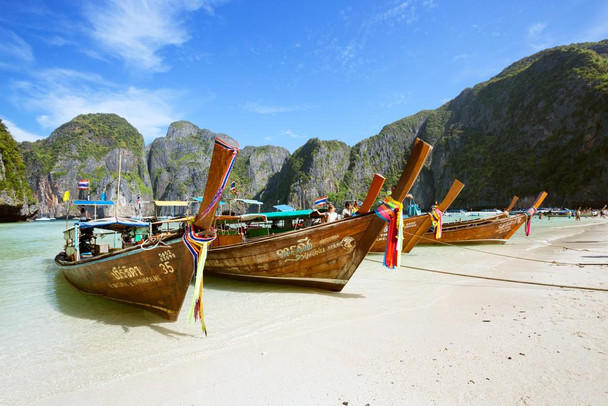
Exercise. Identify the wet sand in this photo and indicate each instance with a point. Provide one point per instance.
(404, 336)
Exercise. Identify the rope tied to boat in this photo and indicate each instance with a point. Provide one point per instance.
(529, 214)
(518, 257)
(198, 246)
(153, 241)
(391, 211)
(437, 220)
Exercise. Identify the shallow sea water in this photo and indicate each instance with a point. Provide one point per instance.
(54, 339)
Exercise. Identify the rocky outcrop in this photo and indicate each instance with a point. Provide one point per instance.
(541, 124)
(315, 169)
(17, 201)
(179, 162)
(89, 147)
(255, 166)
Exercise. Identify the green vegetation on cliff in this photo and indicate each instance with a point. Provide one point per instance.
(13, 182)
(86, 136)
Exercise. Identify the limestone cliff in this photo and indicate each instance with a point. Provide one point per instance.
(179, 162)
(541, 124)
(89, 147)
(315, 169)
(17, 200)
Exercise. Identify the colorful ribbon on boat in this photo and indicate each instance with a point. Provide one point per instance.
(198, 248)
(392, 211)
(437, 219)
(529, 213)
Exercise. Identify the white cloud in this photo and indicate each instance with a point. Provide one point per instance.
(13, 46)
(538, 38)
(136, 30)
(291, 134)
(253, 107)
(61, 95)
(18, 133)
(397, 100)
(402, 11)
(536, 29)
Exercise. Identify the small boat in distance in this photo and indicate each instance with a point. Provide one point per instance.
(44, 218)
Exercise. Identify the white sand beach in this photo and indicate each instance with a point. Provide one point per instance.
(403, 336)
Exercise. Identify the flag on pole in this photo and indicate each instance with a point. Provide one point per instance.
(66, 196)
(83, 184)
(321, 201)
(233, 188)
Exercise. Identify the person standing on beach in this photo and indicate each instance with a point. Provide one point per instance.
(578, 215)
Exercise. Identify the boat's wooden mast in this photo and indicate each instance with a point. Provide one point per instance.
(454, 191)
(512, 204)
(539, 199)
(420, 152)
(372, 194)
(118, 186)
(224, 154)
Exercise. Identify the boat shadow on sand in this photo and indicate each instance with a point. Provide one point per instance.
(69, 301)
(72, 303)
(268, 286)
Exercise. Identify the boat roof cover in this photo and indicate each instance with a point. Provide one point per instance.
(242, 217)
(113, 223)
(93, 202)
(279, 215)
(170, 203)
(250, 201)
(283, 207)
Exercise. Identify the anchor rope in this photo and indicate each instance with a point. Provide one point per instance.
(553, 285)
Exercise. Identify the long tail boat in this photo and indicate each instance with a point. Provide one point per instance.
(144, 268)
(490, 230)
(322, 256)
(415, 226)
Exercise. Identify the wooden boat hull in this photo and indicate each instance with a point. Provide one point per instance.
(155, 279)
(324, 256)
(494, 230)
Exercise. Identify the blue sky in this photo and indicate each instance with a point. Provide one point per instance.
(265, 72)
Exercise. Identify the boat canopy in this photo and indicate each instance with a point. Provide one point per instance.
(283, 207)
(250, 201)
(164, 203)
(242, 217)
(93, 202)
(281, 215)
(113, 223)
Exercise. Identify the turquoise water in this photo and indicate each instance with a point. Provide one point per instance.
(55, 340)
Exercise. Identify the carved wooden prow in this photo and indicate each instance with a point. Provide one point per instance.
(512, 204)
(420, 152)
(222, 161)
(539, 200)
(372, 193)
